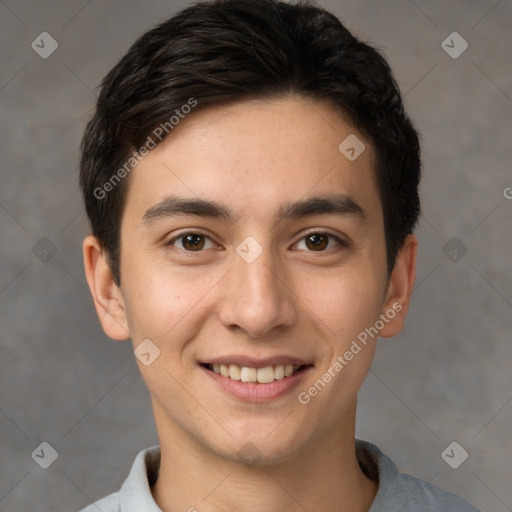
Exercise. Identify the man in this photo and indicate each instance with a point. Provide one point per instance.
(251, 181)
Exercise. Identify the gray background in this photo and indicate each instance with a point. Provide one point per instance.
(445, 378)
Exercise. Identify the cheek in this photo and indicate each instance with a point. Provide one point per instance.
(347, 301)
(348, 310)
(169, 313)
(165, 305)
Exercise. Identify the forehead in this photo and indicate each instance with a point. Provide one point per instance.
(257, 156)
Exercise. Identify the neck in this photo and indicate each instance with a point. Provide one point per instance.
(321, 477)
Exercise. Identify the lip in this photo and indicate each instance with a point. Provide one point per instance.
(254, 362)
(254, 391)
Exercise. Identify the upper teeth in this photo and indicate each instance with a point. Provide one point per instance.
(261, 375)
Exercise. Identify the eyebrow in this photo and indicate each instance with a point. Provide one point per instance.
(173, 206)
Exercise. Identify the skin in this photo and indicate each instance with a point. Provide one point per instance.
(294, 299)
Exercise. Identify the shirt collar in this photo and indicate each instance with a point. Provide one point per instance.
(135, 494)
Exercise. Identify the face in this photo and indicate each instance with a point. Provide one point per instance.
(285, 265)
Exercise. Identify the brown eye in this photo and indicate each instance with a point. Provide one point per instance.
(317, 241)
(193, 242)
(190, 242)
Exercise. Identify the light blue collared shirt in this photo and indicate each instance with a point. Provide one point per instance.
(397, 491)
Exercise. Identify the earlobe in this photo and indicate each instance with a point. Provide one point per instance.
(108, 298)
(400, 287)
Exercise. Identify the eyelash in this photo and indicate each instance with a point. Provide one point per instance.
(341, 242)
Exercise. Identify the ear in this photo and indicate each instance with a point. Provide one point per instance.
(108, 299)
(400, 287)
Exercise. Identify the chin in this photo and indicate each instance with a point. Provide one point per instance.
(258, 448)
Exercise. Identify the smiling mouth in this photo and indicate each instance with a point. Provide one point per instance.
(263, 375)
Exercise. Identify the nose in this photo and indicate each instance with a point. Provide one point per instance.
(259, 296)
